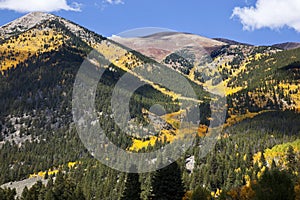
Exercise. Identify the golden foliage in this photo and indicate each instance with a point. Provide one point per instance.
(166, 136)
(188, 195)
(278, 152)
(53, 171)
(245, 192)
(297, 191)
(33, 42)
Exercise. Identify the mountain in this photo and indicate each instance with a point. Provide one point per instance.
(230, 42)
(158, 46)
(23, 24)
(230, 62)
(287, 45)
(40, 57)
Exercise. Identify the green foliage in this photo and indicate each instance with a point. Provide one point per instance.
(200, 193)
(274, 185)
(273, 67)
(62, 189)
(167, 183)
(180, 61)
(35, 192)
(7, 194)
(132, 189)
(291, 159)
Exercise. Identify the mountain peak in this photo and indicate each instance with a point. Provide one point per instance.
(38, 15)
(159, 45)
(24, 23)
(287, 45)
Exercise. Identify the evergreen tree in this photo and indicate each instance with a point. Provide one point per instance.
(59, 186)
(273, 165)
(35, 192)
(7, 194)
(273, 185)
(167, 183)
(291, 159)
(132, 189)
(79, 193)
(25, 193)
(49, 195)
(200, 193)
(263, 160)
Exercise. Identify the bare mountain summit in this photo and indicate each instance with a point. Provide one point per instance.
(159, 46)
(287, 45)
(24, 23)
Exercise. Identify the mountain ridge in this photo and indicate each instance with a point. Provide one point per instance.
(231, 42)
(287, 45)
(32, 19)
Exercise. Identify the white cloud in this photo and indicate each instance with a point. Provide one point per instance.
(116, 2)
(273, 14)
(37, 5)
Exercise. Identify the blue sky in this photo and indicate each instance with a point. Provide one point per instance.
(253, 21)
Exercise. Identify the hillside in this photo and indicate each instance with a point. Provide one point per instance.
(41, 55)
(242, 68)
(230, 42)
(158, 46)
(287, 45)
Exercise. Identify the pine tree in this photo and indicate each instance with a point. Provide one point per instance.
(49, 195)
(78, 193)
(7, 194)
(200, 193)
(167, 183)
(59, 186)
(275, 184)
(273, 165)
(25, 193)
(263, 160)
(46, 175)
(34, 192)
(291, 159)
(132, 189)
